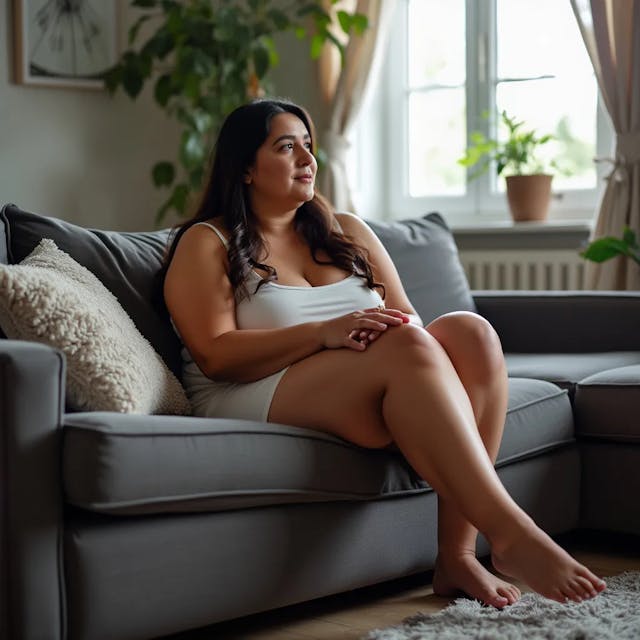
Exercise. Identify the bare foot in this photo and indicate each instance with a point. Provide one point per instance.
(535, 559)
(462, 572)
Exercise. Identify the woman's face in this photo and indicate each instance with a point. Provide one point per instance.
(283, 174)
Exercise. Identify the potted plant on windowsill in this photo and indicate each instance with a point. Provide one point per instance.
(526, 174)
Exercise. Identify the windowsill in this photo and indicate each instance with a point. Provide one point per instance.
(509, 226)
(509, 235)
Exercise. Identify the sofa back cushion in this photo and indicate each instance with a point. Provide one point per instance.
(127, 263)
(426, 257)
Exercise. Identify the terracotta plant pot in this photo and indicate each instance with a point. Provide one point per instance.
(529, 196)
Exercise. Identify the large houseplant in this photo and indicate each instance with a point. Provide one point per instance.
(205, 58)
(517, 158)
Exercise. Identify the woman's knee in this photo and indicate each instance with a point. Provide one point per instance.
(405, 343)
(468, 333)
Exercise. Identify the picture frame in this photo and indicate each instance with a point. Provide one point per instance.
(64, 44)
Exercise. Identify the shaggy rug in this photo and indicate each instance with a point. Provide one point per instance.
(612, 615)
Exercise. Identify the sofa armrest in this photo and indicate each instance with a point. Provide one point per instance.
(563, 321)
(31, 574)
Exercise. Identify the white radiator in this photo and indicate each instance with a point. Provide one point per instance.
(559, 270)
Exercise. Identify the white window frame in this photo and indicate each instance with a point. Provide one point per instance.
(387, 113)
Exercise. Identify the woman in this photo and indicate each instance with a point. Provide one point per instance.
(280, 304)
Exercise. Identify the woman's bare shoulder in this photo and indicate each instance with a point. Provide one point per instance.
(355, 227)
(200, 247)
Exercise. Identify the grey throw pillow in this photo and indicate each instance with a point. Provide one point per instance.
(50, 298)
(426, 256)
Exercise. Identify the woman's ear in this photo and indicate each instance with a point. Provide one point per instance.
(246, 177)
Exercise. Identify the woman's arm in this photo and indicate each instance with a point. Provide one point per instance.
(201, 302)
(384, 270)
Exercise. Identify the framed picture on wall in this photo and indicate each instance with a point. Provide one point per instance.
(66, 43)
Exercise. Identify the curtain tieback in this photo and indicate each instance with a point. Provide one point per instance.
(335, 144)
(627, 154)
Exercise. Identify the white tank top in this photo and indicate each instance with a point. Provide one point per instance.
(275, 305)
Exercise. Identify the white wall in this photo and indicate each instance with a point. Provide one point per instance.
(79, 154)
(85, 156)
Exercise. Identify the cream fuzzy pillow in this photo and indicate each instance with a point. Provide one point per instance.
(52, 299)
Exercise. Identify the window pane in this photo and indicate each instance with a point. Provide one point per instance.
(550, 43)
(565, 108)
(436, 141)
(436, 42)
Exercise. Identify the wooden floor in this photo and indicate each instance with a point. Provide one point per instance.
(349, 616)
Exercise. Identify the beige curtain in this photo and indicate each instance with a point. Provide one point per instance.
(611, 32)
(343, 89)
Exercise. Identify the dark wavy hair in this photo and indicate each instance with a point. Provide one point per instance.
(227, 196)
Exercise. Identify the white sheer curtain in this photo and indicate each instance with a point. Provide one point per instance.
(611, 32)
(343, 91)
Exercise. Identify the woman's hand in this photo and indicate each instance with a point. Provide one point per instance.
(367, 336)
(358, 329)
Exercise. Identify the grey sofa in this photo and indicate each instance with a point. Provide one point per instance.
(121, 526)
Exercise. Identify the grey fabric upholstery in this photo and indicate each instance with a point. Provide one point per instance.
(155, 464)
(538, 419)
(610, 486)
(126, 263)
(32, 601)
(563, 321)
(4, 255)
(567, 369)
(195, 569)
(131, 464)
(134, 576)
(608, 405)
(425, 254)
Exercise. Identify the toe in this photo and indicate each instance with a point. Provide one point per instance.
(584, 587)
(571, 594)
(499, 602)
(597, 583)
(505, 593)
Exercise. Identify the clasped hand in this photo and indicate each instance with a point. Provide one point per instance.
(358, 329)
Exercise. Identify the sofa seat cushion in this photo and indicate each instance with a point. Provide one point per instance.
(608, 405)
(115, 463)
(539, 419)
(567, 369)
(137, 464)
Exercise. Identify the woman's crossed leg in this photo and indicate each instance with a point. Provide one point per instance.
(382, 395)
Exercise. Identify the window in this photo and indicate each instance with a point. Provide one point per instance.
(452, 67)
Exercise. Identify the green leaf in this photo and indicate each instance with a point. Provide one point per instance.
(279, 18)
(360, 23)
(317, 43)
(345, 21)
(163, 174)
(159, 45)
(192, 150)
(604, 249)
(113, 78)
(135, 28)
(306, 9)
(261, 60)
(629, 238)
(132, 80)
(180, 197)
(163, 90)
